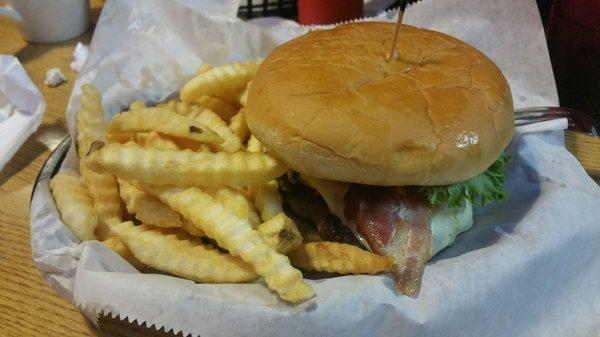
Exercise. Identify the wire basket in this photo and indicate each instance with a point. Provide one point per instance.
(256, 8)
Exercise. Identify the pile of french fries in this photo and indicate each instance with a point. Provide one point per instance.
(184, 188)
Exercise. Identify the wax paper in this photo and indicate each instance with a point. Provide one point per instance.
(528, 267)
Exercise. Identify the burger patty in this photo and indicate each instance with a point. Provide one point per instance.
(302, 202)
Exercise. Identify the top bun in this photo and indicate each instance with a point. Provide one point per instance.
(329, 105)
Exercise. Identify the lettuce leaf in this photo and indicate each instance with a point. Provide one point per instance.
(481, 190)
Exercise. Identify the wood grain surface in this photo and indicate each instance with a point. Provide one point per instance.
(28, 307)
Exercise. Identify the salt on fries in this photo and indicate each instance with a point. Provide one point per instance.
(196, 183)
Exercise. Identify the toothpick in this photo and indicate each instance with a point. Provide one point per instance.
(392, 52)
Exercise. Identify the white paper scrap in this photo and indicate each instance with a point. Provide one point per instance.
(22, 107)
(80, 54)
(528, 267)
(54, 77)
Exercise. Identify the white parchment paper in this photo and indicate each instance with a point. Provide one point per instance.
(21, 107)
(529, 267)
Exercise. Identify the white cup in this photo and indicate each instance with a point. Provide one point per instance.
(48, 21)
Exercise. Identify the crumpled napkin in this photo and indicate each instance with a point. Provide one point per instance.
(21, 107)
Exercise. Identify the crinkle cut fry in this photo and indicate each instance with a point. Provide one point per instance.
(342, 258)
(231, 142)
(185, 168)
(118, 246)
(238, 126)
(102, 187)
(148, 209)
(223, 82)
(162, 120)
(181, 257)
(268, 201)
(75, 205)
(104, 190)
(90, 119)
(220, 107)
(237, 236)
(281, 233)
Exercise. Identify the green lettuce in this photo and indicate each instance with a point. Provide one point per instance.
(481, 190)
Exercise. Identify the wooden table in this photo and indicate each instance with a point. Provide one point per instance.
(28, 307)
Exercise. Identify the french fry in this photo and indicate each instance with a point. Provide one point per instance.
(222, 82)
(268, 201)
(342, 258)
(153, 139)
(102, 187)
(221, 108)
(75, 205)
(281, 233)
(239, 127)
(203, 68)
(118, 246)
(104, 190)
(90, 120)
(137, 105)
(180, 107)
(185, 168)
(206, 117)
(243, 96)
(181, 257)
(237, 236)
(254, 145)
(148, 209)
(236, 201)
(161, 120)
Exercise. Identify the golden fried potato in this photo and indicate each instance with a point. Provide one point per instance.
(104, 190)
(75, 205)
(118, 246)
(102, 187)
(239, 127)
(221, 108)
(185, 168)
(254, 145)
(90, 120)
(182, 257)
(137, 105)
(342, 258)
(207, 117)
(223, 82)
(267, 200)
(203, 68)
(243, 95)
(237, 236)
(281, 233)
(236, 201)
(161, 120)
(153, 139)
(148, 209)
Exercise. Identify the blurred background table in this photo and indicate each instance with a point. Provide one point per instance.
(28, 306)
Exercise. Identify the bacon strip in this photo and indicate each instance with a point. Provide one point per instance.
(396, 221)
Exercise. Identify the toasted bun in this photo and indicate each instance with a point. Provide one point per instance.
(330, 106)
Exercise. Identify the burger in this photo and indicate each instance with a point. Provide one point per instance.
(388, 156)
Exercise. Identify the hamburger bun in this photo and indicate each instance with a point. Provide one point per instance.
(329, 105)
